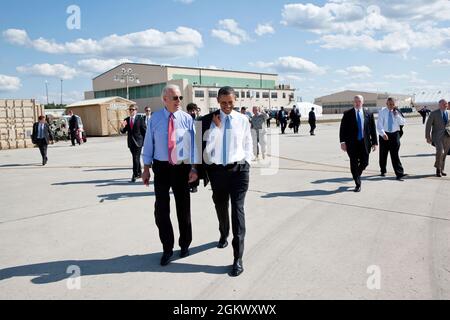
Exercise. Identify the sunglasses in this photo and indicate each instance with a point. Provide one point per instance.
(177, 98)
(132, 109)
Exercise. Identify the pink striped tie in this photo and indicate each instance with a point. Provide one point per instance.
(172, 141)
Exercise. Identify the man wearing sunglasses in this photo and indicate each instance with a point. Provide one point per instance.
(168, 150)
(135, 127)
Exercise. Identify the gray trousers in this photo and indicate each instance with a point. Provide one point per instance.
(442, 149)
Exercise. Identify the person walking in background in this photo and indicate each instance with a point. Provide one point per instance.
(424, 112)
(259, 132)
(168, 152)
(42, 136)
(148, 115)
(437, 132)
(193, 110)
(295, 117)
(312, 122)
(358, 135)
(73, 128)
(228, 151)
(135, 128)
(389, 123)
(282, 119)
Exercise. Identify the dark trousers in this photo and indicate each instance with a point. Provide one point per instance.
(42, 144)
(424, 118)
(359, 160)
(296, 126)
(391, 146)
(176, 177)
(283, 125)
(136, 156)
(313, 127)
(231, 183)
(74, 136)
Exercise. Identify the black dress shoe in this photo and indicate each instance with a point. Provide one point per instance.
(184, 253)
(400, 178)
(443, 174)
(438, 173)
(133, 179)
(165, 259)
(237, 268)
(357, 189)
(383, 174)
(222, 244)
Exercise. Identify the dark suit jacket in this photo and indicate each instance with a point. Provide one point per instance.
(349, 130)
(205, 125)
(73, 123)
(312, 117)
(137, 135)
(48, 135)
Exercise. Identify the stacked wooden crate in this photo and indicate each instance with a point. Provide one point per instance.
(16, 122)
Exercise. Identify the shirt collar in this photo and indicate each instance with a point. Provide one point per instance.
(167, 113)
(223, 115)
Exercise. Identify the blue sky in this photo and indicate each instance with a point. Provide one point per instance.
(317, 46)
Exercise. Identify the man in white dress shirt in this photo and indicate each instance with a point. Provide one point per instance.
(389, 124)
(227, 153)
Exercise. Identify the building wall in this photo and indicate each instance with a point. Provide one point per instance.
(148, 74)
(341, 101)
(154, 78)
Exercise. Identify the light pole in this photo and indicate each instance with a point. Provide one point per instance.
(127, 76)
(46, 90)
(61, 92)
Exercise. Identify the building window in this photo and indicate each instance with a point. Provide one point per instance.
(242, 94)
(199, 93)
(284, 95)
(212, 94)
(274, 95)
(265, 95)
(248, 94)
(237, 94)
(257, 94)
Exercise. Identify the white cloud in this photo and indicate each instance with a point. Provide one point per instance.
(356, 72)
(9, 84)
(441, 62)
(185, 1)
(376, 25)
(59, 71)
(55, 96)
(291, 65)
(411, 77)
(263, 29)
(230, 32)
(184, 42)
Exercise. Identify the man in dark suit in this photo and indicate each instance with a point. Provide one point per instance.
(41, 136)
(358, 135)
(282, 118)
(312, 121)
(227, 153)
(136, 128)
(73, 128)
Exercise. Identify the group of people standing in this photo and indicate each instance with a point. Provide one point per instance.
(359, 136)
(294, 119)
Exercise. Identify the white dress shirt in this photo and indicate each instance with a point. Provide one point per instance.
(240, 146)
(383, 121)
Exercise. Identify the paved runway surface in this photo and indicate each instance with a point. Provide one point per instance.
(308, 235)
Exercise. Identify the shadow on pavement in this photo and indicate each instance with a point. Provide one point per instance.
(55, 271)
(101, 183)
(307, 193)
(124, 195)
(21, 165)
(107, 169)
